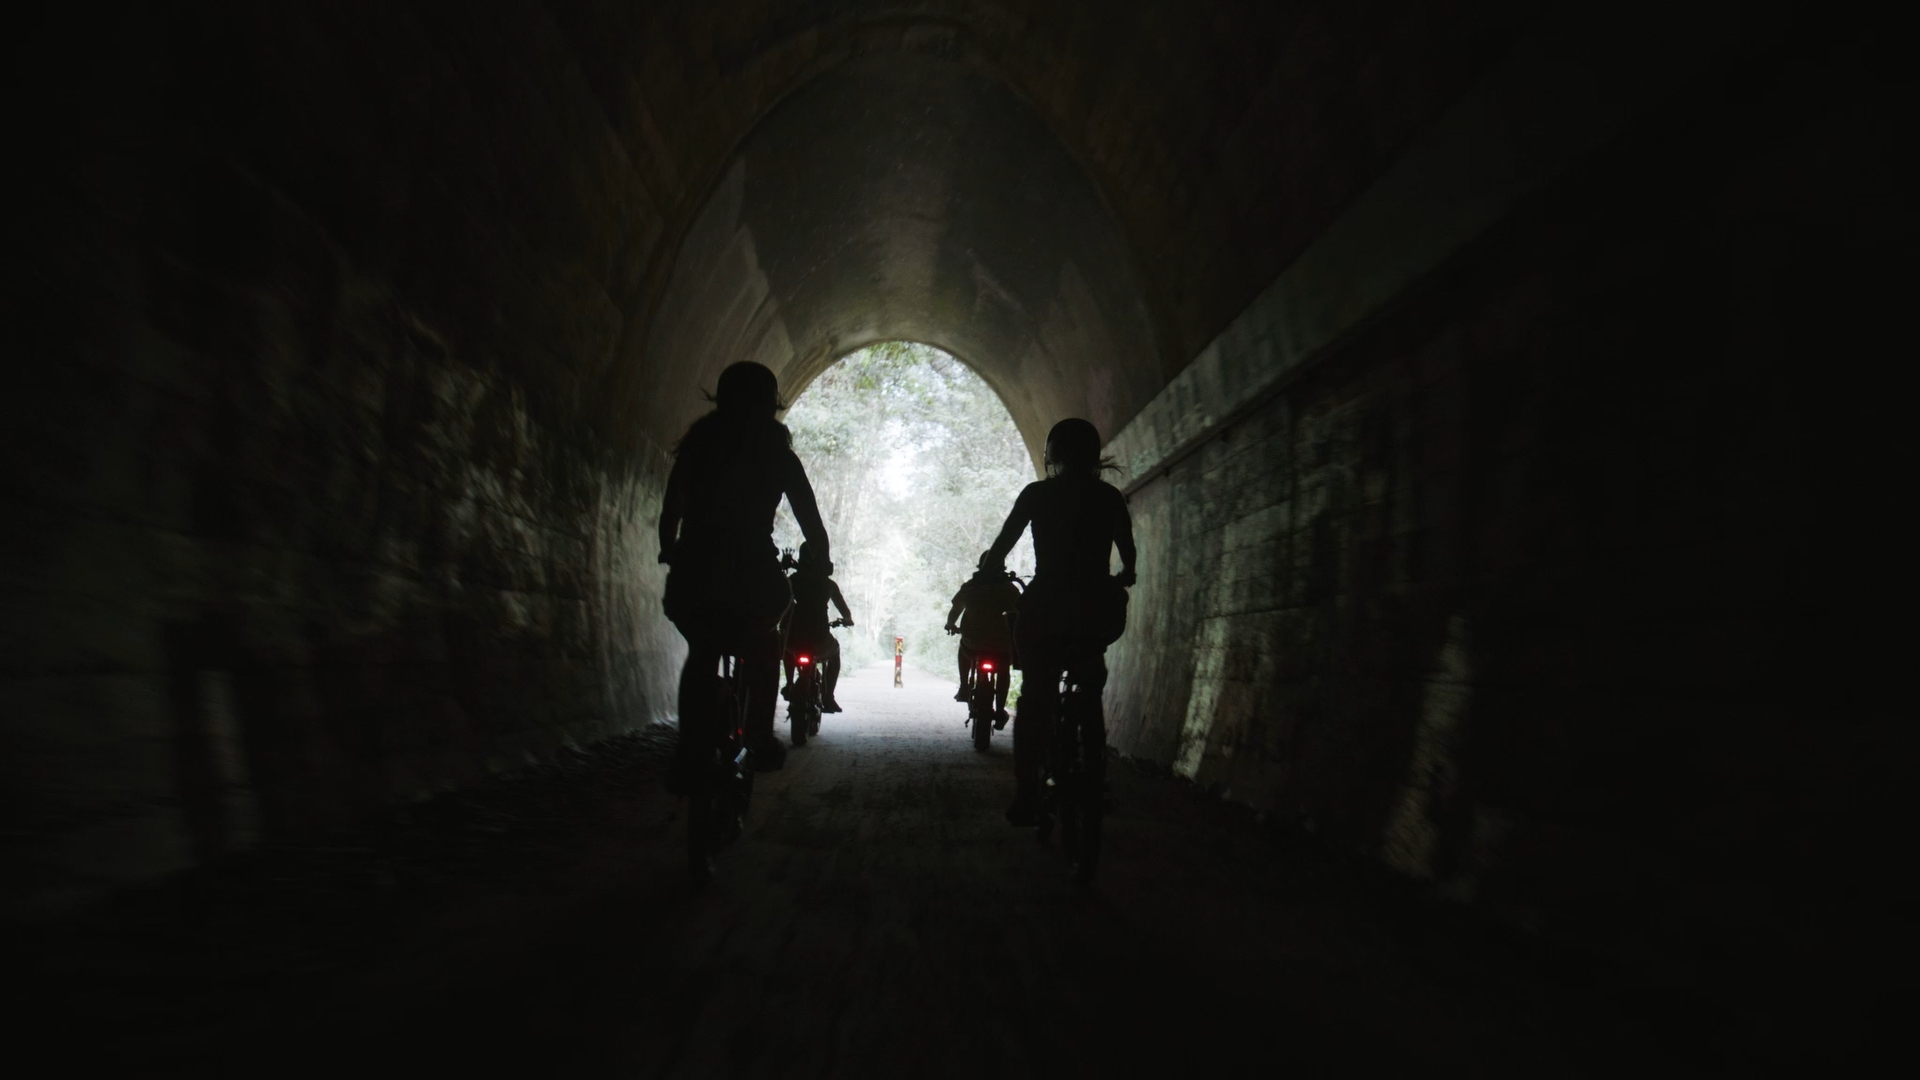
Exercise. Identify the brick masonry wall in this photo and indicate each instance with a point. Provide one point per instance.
(329, 447)
(1562, 581)
(305, 511)
(329, 463)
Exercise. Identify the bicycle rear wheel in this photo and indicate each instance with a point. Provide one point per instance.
(1089, 747)
(980, 711)
(798, 718)
(1070, 816)
(1086, 854)
(702, 815)
(701, 778)
(735, 791)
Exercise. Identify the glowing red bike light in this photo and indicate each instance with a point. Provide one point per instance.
(805, 660)
(986, 665)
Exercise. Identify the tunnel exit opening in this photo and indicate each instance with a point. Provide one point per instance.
(916, 462)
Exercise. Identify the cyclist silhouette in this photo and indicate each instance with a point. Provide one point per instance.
(811, 632)
(979, 616)
(1073, 609)
(726, 592)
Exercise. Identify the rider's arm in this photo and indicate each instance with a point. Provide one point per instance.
(1123, 539)
(839, 601)
(959, 605)
(1010, 532)
(806, 511)
(670, 511)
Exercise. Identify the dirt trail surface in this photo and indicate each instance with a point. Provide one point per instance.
(878, 918)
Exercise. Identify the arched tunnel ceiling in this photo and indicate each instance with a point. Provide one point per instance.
(1219, 136)
(907, 197)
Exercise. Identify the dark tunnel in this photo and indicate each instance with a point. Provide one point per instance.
(1503, 393)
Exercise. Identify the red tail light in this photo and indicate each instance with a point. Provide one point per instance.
(986, 665)
(805, 660)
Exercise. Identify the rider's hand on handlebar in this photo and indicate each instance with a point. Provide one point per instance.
(1126, 578)
(952, 629)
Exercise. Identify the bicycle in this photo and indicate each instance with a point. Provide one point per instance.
(721, 787)
(806, 700)
(1073, 777)
(986, 668)
(982, 713)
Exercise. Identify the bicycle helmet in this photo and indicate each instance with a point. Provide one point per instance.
(747, 387)
(1073, 446)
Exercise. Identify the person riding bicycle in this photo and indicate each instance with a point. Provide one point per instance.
(979, 616)
(1074, 608)
(725, 591)
(811, 632)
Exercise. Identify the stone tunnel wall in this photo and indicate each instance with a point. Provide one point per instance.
(329, 463)
(331, 438)
(306, 510)
(1519, 583)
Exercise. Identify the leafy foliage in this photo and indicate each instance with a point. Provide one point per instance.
(916, 464)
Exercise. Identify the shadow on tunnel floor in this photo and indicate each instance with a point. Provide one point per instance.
(534, 923)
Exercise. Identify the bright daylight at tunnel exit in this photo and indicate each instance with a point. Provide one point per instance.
(915, 463)
(954, 537)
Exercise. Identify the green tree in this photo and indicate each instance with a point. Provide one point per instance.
(915, 462)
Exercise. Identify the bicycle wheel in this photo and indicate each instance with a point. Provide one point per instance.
(735, 780)
(702, 781)
(1090, 746)
(980, 711)
(1069, 810)
(797, 709)
(1086, 853)
(735, 791)
(702, 821)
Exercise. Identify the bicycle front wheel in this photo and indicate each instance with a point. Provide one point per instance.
(1090, 794)
(702, 823)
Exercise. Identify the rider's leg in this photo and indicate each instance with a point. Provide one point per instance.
(830, 669)
(697, 678)
(760, 675)
(966, 669)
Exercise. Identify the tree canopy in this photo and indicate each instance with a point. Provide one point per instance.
(916, 463)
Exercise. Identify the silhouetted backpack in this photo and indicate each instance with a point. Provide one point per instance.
(1110, 611)
(1095, 612)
